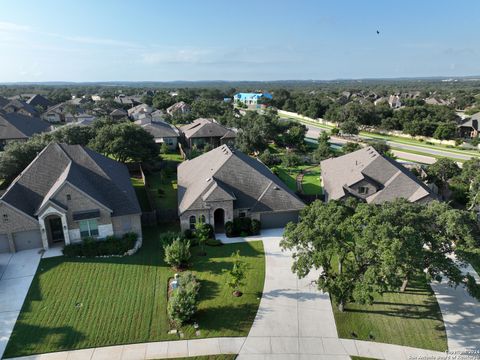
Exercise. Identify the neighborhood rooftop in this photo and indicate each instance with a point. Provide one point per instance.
(365, 167)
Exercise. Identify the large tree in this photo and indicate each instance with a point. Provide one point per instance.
(125, 142)
(364, 249)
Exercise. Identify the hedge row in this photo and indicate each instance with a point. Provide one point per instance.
(111, 245)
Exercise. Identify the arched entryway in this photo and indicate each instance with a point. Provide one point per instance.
(54, 229)
(219, 220)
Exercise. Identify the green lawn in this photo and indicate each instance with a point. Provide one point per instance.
(311, 183)
(82, 303)
(412, 318)
(208, 357)
(287, 176)
(166, 180)
(141, 193)
(473, 257)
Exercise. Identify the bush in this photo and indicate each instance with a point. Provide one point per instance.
(229, 229)
(188, 234)
(182, 305)
(291, 159)
(242, 227)
(111, 245)
(256, 225)
(269, 159)
(169, 237)
(177, 253)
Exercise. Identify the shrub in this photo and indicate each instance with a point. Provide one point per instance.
(269, 159)
(291, 159)
(177, 253)
(242, 225)
(111, 245)
(188, 234)
(229, 229)
(169, 237)
(335, 131)
(255, 228)
(182, 305)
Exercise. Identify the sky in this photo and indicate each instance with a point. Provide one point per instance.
(168, 40)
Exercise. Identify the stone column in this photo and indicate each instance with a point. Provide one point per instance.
(43, 232)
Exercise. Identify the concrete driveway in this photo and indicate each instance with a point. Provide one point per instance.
(16, 274)
(461, 314)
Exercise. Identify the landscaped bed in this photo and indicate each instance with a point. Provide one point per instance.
(82, 303)
(412, 318)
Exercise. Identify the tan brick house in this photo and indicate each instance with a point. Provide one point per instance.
(224, 184)
(67, 193)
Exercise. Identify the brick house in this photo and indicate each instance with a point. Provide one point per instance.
(224, 184)
(67, 193)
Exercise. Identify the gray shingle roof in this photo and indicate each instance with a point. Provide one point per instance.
(202, 128)
(223, 173)
(18, 104)
(160, 129)
(105, 180)
(339, 174)
(38, 100)
(471, 122)
(18, 126)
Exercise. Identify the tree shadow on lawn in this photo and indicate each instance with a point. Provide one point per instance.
(26, 338)
(227, 320)
(208, 290)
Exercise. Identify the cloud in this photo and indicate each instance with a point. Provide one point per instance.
(11, 27)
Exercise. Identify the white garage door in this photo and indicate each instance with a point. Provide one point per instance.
(278, 219)
(25, 240)
(4, 247)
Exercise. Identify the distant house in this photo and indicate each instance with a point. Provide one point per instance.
(252, 100)
(157, 115)
(96, 98)
(55, 113)
(371, 177)
(207, 131)
(224, 184)
(18, 127)
(179, 108)
(162, 132)
(66, 112)
(436, 101)
(66, 194)
(128, 100)
(469, 128)
(118, 114)
(3, 102)
(394, 101)
(39, 100)
(20, 107)
(135, 112)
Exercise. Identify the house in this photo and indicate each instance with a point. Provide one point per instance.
(127, 100)
(20, 107)
(56, 113)
(224, 184)
(39, 100)
(157, 115)
(66, 112)
(179, 108)
(3, 101)
(252, 100)
(96, 98)
(394, 101)
(67, 193)
(207, 131)
(371, 177)
(135, 112)
(118, 114)
(469, 128)
(18, 127)
(162, 132)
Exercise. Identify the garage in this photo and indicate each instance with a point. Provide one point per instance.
(4, 247)
(278, 219)
(25, 240)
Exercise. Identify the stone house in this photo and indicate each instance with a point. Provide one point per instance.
(371, 177)
(179, 108)
(162, 132)
(67, 193)
(207, 131)
(224, 184)
(469, 128)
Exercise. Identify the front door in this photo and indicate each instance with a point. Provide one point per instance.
(56, 230)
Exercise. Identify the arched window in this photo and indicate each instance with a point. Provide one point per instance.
(202, 219)
(193, 221)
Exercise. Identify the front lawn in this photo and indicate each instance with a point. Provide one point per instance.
(412, 318)
(83, 303)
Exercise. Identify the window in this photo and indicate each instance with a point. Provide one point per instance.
(193, 221)
(88, 228)
(363, 190)
(202, 219)
(5, 218)
(242, 214)
(69, 197)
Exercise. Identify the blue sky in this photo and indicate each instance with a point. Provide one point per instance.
(168, 40)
